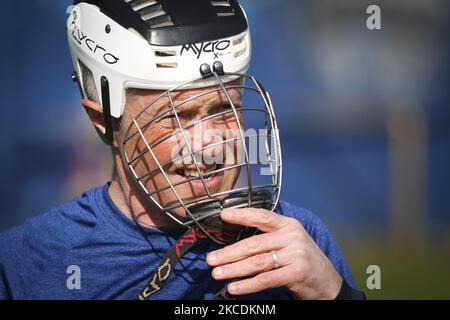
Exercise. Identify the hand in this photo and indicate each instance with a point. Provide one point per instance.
(303, 267)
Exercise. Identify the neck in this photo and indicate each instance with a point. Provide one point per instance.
(131, 203)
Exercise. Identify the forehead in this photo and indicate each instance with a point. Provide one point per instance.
(184, 100)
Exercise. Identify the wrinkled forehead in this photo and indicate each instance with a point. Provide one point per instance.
(156, 101)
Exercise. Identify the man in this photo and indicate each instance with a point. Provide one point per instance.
(183, 217)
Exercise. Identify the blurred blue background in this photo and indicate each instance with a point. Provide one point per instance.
(363, 116)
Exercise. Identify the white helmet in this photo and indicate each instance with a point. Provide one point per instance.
(147, 44)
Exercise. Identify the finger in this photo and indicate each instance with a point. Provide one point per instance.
(257, 244)
(266, 280)
(264, 220)
(250, 266)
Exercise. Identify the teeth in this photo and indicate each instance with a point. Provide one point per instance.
(194, 172)
(191, 173)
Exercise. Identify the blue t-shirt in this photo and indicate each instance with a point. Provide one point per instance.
(112, 257)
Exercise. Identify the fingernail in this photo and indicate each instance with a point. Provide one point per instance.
(232, 288)
(211, 257)
(218, 271)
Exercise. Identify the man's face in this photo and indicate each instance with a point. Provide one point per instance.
(213, 139)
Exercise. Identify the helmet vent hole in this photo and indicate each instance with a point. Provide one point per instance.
(137, 5)
(165, 65)
(151, 12)
(221, 3)
(240, 47)
(238, 41)
(171, 53)
(239, 53)
(223, 8)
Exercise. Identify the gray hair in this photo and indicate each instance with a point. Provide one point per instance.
(90, 90)
(89, 87)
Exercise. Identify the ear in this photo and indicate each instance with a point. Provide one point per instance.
(95, 113)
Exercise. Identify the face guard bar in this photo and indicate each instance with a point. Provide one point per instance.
(259, 182)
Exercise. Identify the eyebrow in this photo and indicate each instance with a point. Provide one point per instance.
(192, 102)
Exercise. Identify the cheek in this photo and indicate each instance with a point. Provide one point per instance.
(231, 128)
(165, 147)
(136, 148)
(166, 151)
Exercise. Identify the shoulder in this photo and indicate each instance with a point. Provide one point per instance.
(61, 226)
(33, 249)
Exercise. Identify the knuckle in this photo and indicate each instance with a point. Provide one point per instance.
(294, 223)
(260, 211)
(265, 279)
(252, 244)
(301, 253)
(299, 272)
(266, 218)
(294, 237)
(299, 235)
(259, 261)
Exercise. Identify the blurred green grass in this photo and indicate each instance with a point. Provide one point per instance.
(407, 272)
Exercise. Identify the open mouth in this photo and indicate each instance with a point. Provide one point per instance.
(211, 178)
(189, 173)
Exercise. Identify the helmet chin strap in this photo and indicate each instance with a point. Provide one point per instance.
(208, 215)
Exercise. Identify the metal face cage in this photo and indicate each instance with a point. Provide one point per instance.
(190, 185)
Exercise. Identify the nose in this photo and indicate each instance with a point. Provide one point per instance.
(207, 137)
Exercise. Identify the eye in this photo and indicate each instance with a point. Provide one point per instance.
(170, 116)
(228, 107)
(168, 120)
(224, 107)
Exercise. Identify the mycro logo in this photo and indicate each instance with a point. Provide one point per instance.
(83, 40)
(214, 47)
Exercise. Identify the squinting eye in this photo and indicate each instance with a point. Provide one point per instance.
(227, 107)
(168, 120)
